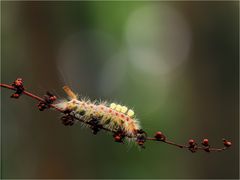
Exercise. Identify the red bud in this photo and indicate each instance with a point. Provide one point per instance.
(159, 136)
(53, 98)
(191, 142)
(117, 138)
(227, 143)
(15, 95)
(205, 142)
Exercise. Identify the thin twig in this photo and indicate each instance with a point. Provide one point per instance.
(193, 147)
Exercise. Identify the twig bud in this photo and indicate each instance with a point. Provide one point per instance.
(226, 143)
(205, 142)
(48, 99)
(191, 142)
(18, 85)
(160, 136)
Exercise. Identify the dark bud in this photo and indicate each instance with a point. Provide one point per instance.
(16, 96)
(117, 138)
(18, 82)
(191, 142)
(53, 98)
(48, 100)
(42, 106)
(205, 142)
(192, 146)
(160, 136)
(226, 143)
(67, 120)
(18, 85)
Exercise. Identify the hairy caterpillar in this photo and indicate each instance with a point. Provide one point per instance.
(113, 117)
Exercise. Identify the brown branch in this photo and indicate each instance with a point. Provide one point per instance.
(141, 137)
(194, 147)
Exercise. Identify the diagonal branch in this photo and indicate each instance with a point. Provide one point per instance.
(47, 102)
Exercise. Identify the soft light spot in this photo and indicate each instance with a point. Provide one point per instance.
(158, 39)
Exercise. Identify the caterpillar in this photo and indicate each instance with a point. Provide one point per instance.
(111, 116)
(97, 115)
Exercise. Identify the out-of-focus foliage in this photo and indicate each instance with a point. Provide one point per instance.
(175, 63)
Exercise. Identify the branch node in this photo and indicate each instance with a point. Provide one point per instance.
(226, 143)
(48, 99)
(192, 145)
(18, 86)
(160, 136)
(67, 120)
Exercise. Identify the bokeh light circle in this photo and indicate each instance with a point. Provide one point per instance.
(158, 39)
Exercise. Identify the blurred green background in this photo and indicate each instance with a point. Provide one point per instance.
(175, 63)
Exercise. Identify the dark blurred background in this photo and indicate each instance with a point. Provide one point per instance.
(176, 63)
